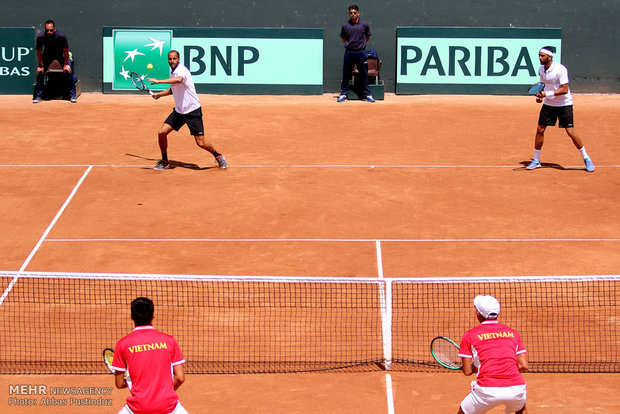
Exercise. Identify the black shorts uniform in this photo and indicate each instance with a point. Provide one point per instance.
(550, 114)
(193, 120)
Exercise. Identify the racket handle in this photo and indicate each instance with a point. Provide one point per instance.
(151, 92)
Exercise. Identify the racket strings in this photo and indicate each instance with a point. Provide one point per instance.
(447, 353)
(108, 357)
(536, 88)
(138, 81)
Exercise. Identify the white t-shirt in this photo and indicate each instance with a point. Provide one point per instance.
(185, 96)
(554, 77)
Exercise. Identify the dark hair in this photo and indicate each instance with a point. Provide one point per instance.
(549, 48)
(50, 21)
(174, 51)
(142, 310)
(354, 7)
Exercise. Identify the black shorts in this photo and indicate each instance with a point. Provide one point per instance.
(192, 119)
(550, 114)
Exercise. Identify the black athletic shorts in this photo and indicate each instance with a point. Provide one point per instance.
(192, 119)
(550, 114)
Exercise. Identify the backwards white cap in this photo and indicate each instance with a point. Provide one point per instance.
(487, 306)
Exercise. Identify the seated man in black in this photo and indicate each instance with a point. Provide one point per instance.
(53, 45)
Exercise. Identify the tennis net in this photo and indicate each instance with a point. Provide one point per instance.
(60, 323)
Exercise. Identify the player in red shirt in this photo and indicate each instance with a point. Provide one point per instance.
(496, 352)
(150, 363)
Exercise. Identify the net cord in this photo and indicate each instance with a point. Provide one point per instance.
(301, 279)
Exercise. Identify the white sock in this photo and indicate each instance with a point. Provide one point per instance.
(537, 154)
(583, 152)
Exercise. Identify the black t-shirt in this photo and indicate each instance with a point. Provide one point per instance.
(52, 46)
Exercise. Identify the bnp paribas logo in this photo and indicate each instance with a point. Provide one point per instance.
(137, 51)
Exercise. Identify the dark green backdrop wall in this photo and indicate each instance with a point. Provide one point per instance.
(589, 28)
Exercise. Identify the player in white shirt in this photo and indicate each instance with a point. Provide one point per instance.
(558, 104)
(187, 110)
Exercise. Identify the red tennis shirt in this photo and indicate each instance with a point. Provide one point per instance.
(494, 348)
(148, 357)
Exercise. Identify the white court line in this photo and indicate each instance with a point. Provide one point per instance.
(389, 393)
(379, 259)
(307, 166)
(339, 240)
(47, 231)
(76, 165)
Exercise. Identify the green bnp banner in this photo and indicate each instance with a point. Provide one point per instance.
(16, 60)
(228, 61)
(449, 60)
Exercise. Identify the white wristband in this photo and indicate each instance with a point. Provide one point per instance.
(549, 94)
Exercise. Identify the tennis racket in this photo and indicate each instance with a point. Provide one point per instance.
(536, 88)
(138, 82)
(446, 353)
(108, 357)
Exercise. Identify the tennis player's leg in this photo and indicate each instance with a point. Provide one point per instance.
(162, 138)
(482, 399)
(565, 117)
(514, 398)
(577, 142)
(566, 122)
(202, 142)
(173, 123)
(521, 411)
(547, 117)
(196, 128)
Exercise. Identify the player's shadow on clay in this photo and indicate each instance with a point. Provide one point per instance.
(173, 163)
(548, 165)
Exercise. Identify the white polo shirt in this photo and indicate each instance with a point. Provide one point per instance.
(554, 77)
(185, 96)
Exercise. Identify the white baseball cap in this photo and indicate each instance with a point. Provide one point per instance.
(487, 306)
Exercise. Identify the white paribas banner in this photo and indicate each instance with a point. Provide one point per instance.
(470, 60)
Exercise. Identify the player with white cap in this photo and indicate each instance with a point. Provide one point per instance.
(496, 352)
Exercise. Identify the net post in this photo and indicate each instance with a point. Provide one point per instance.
(385, 290)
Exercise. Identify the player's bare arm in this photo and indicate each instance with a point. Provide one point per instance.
(66, 65)
(522, 362)
(467, 367)
(158, 95)
(119, 380)
(176, 79)
(179, 376)
(40, 68)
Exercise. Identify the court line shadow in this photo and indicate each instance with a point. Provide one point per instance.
(173, 163)
(548, 165)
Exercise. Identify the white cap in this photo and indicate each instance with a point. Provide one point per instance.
(487, 306)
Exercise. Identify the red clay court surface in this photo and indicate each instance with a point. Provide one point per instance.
(312, 186)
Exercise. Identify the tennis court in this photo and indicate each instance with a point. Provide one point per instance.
(411, 187)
